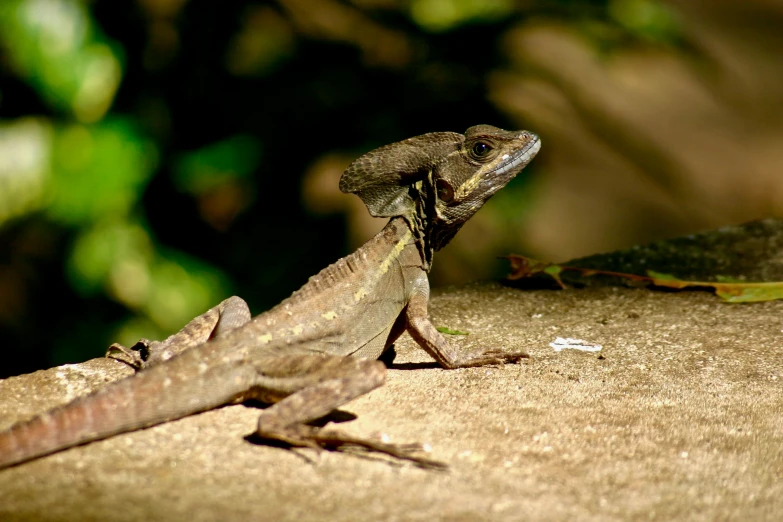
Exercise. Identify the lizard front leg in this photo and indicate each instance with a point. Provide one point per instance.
(424, 333)
(329, 382)
(230, 314)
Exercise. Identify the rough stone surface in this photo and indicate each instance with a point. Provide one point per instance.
(678, 418)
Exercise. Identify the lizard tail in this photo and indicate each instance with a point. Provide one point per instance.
(140, 401)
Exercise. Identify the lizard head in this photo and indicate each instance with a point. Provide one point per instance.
(486, 160)
(437, 181)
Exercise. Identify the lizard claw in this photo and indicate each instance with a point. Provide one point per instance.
(135, 356)
(490, 357)
(399, 451)
(505, 357)
(310, 437)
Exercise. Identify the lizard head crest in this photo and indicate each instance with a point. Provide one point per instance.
(384, 178)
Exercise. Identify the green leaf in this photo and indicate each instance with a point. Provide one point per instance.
(449, 331)
(750, 292)
(662, 277)
(553, 270)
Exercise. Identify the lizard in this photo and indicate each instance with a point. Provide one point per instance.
(317, 349)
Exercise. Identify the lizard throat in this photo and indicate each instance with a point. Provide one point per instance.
(430, 233)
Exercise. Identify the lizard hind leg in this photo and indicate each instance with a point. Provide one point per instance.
(346, 378)
(219, 320)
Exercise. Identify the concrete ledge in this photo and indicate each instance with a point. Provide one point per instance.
(680, 418)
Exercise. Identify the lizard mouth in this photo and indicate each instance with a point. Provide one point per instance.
(512, 164)
(519, 160)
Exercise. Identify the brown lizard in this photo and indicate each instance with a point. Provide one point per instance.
(294, 356)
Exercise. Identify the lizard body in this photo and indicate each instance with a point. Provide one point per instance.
(316, 350)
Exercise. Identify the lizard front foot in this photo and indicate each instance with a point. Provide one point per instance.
(301, 435)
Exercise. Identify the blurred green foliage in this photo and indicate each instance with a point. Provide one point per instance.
(59, 50)
(98, 171)
(223, 162)
(149, 148)
(646, 19)
(442, 15)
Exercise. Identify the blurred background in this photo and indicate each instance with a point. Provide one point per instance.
(157, 156)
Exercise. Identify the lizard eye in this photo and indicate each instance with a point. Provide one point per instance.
(480, 150)
(445, 191)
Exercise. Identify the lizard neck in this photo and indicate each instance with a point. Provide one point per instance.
(421, 231)
(430, 233)
(411, 232)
